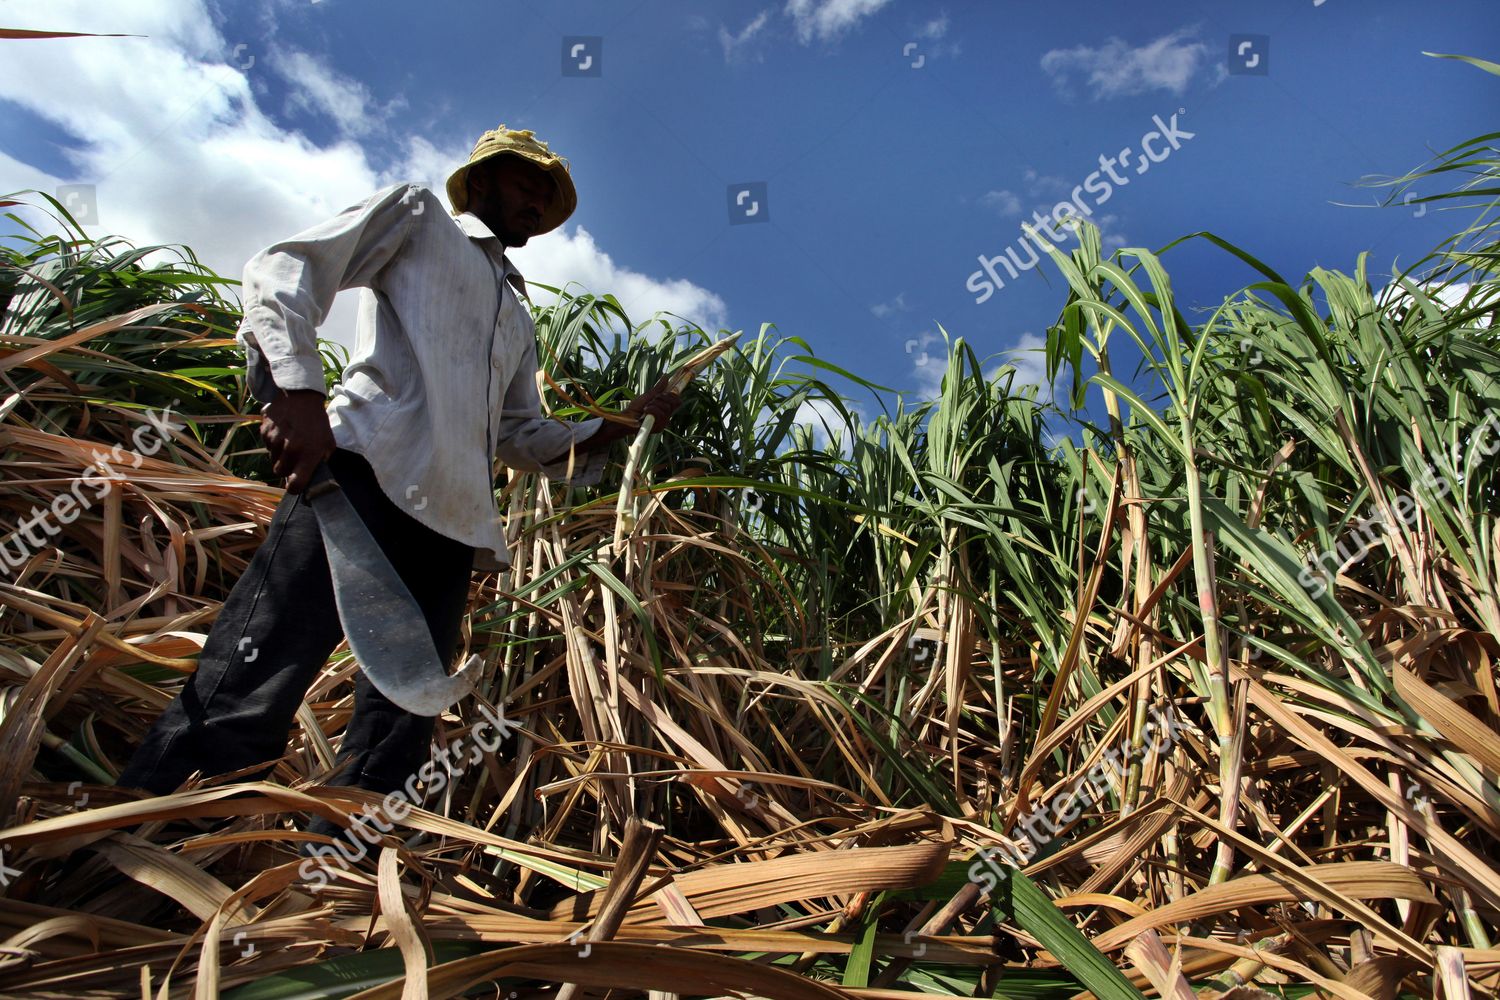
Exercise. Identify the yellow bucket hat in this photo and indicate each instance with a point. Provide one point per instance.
(525, 144)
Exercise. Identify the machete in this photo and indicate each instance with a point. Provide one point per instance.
(386, 629)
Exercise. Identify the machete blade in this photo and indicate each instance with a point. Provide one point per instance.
(386, 629)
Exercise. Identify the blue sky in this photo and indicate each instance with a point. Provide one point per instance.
(898, 142)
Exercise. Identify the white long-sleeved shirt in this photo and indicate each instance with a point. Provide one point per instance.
(440, 331)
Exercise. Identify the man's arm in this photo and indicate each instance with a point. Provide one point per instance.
(656, 401)
(289, 288)
(571, 451)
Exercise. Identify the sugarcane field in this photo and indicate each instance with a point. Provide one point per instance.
(833, 500)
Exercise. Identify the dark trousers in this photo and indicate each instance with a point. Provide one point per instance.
(276, 631)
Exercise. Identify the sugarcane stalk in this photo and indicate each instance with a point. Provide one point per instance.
(676, 383)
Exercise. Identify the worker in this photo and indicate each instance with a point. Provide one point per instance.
(442, 379)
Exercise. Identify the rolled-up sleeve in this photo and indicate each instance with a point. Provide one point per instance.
(289, 286)
(527, 439)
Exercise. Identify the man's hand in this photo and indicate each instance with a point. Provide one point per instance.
(658, 401)
(298, 435)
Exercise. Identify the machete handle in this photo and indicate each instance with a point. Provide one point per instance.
(322, 482)
(322, 478)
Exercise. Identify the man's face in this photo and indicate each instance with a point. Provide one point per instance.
(510, 195)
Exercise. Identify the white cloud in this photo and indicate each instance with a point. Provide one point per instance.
(1448, 297)
(1115, 69)
(184, 154)
(934, 29)
(558, 257)
(929, 357)
(813, 21)
(1029, 358)
(1043, 193)
(1004, 202)
(827, 424)
(1046, 185)
(929, 362)
(827, 20)
(430, 165)
(933, 32)
(1111, 238)
(732, 44)
(18, 176)
(884, 309)
(317, 88)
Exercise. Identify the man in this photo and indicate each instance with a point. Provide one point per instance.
(441, 380)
